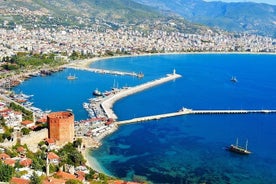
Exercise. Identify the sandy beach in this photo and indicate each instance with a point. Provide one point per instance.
(87, 62)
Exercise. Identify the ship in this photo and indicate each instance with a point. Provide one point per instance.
(234, 79)
(71, 77)
(238, 149)
(96, 92)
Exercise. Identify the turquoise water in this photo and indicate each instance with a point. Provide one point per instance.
(187, 149)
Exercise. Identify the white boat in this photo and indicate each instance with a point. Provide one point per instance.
(71, 77)
(96, 92)
(234, 79)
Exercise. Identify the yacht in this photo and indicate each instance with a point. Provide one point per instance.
(96, 92)
(238, 149)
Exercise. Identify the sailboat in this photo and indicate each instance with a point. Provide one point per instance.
(238, 149)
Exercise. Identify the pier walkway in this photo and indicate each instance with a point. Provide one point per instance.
(185, 111)
(108, 103)
(102, 71)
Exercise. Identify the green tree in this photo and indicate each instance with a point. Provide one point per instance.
(35, 179)
(70, 155)
(90, 175)
(72, 181)
(25, 131)
(6, 172)
(77, 143)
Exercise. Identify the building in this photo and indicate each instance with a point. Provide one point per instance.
(53, 158)
(61, 127)
(27, 123)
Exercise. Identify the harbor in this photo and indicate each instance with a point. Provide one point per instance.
(107, 104)
(102, 119)
(187, 139)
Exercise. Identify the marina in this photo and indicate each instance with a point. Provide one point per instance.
(107, 104)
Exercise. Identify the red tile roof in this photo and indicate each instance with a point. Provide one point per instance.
(80, 173)
(9, 162)
(15, 180)
(42, 120)
(21, 149)
(65, 175)
(26, 122)
(26, 162)
(4, 156)
(52, 180)
(52, 156)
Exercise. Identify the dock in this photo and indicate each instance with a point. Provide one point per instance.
(103, 71)
(185, 111)
(107, 104)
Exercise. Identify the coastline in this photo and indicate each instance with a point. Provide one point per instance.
(87, 62)
(91, 161)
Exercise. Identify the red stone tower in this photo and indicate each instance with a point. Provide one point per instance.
(61, 127)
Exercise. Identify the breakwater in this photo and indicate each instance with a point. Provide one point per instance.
(107, 104)
(103, 71)
(185, 111)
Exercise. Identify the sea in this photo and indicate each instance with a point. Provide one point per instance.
(188, 149)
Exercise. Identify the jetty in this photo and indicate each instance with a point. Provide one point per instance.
(107, 104)
(103, 71)
(185, 111)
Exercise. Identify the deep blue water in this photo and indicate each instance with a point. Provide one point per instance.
(187, 149)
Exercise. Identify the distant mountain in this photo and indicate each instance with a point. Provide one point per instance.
(257, 18)
(89, 13)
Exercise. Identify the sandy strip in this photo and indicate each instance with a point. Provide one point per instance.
(92, 162)
(87, 62)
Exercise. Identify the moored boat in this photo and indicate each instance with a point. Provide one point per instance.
(96, 92)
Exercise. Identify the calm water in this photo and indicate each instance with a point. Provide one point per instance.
(187, 149)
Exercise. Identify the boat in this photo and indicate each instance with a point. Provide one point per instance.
(71, 77)
(96, 92)
(238, 149)
(140, 75)
(234, 79)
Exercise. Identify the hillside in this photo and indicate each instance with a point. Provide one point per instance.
(97, 14)
(257, 18)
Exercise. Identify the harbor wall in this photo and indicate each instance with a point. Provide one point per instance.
(108, 103)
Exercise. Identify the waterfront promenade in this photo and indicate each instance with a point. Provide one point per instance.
(185, 111)
(107, 104)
